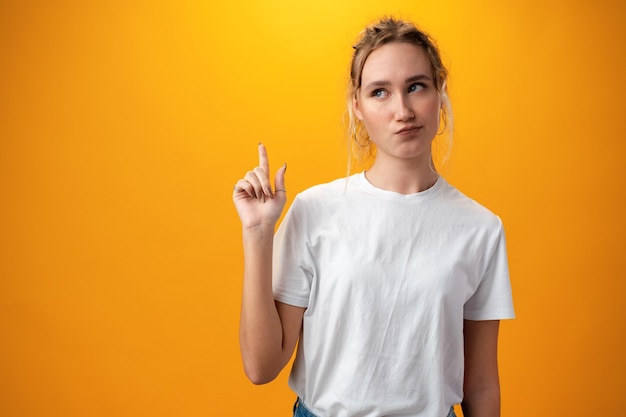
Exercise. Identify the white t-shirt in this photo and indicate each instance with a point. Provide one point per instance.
(387, 280)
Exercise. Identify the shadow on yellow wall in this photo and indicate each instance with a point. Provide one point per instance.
(124, 126)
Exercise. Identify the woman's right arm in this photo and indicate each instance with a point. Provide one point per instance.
(269, 330)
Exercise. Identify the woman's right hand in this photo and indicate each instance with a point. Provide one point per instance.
(257, 204)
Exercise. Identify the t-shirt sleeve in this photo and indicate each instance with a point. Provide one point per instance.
(293, 267)
(493, 300)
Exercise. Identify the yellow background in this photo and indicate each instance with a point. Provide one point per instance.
(125, 124)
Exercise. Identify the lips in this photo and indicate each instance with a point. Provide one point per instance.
(408, 130)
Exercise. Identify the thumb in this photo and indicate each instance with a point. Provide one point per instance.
(279, 180)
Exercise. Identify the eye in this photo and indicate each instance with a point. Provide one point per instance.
(416, 87)
(379, 93)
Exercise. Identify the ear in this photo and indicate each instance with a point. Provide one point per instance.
(443, 95)
(356, 109)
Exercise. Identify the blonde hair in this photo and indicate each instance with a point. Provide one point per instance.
(385, 31)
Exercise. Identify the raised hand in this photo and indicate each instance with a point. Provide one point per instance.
(257, 204)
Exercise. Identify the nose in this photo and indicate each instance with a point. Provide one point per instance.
(403, 110)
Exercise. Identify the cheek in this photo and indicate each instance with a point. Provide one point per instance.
(431, 109)
(372, 115)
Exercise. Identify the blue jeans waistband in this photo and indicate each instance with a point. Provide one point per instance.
(300, 410)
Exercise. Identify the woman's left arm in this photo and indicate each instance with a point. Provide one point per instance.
(481, 386)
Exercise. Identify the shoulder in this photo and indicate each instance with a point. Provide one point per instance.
(323, 194)
(332, 187)
(314, 204)
(465, 208)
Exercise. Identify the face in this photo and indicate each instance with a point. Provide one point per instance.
(398, 102)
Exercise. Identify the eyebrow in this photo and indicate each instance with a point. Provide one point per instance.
(384, 83)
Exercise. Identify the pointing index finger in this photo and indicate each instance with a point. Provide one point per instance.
(263, 160)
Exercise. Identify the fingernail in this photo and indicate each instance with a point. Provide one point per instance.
(285, 166)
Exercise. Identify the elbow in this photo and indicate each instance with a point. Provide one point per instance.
(259, 379)
(258, 375)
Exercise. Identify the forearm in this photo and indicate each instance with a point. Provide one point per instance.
(260, 332)
(481, 387)
(484, 402)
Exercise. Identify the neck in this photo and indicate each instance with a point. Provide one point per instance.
(404, 177)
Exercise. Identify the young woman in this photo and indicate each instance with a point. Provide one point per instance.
(391, 282)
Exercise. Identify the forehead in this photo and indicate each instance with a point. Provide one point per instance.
(395, 61)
